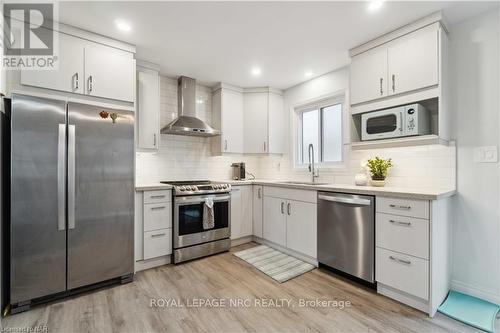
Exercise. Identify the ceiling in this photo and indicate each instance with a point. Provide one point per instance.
(223, 41)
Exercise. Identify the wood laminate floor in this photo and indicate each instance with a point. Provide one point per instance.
(127, 308)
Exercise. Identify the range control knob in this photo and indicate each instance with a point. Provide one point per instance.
(182, 188)
(194, 188)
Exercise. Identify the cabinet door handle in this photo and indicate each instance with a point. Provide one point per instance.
(154, 139)
(265, 146)
(157, 196)
(282, 208)
(400, 207)
(158, 208)
(400, 222)
(225, 145)
(393, 83)
(158, 235)
(75, 82)
(289, 209)
(90, 83)
(407, 262)
(381, 83)
(259, 193)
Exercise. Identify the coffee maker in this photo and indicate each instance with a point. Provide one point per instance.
(238, 171)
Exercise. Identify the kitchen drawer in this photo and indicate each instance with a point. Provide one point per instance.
(403, 234)
(406, 273)
(157, 243)
(157, 196)
(157, 216)
(404, 207)
(291, 194)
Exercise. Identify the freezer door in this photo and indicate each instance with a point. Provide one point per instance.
(100, 194)
(38, 165)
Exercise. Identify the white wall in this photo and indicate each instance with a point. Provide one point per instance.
(183, 157)
(412, 165)
(475, 103)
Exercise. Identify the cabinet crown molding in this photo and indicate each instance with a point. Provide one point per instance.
(436, 17)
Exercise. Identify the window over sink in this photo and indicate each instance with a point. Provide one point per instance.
(319, 124)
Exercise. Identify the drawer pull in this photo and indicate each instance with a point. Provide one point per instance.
(400, 222)
(157, 196)
(158, 208)
(158, 235)
(407, 262)
(399, 206)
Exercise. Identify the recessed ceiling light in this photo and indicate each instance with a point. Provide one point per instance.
(122, 25)
(256, 71)
(308, 74)
(375, 5)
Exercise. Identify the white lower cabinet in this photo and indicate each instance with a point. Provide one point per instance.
(241, 211)
(157, 243)
(155, 225)
(301, 227)
(290, 222)
(257, 214)
(403, 272)
(412, 251)
(274, 224)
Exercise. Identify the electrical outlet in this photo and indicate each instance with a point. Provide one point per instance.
(486, 154)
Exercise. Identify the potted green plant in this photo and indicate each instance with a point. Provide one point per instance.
(378, 170)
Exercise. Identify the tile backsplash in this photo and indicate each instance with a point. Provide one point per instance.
(190, 158)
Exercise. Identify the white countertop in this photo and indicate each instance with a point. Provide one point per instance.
(387, 191)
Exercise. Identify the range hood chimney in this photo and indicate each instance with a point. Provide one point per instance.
(186, 123)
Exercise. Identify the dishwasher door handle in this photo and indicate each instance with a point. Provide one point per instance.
(350, 201)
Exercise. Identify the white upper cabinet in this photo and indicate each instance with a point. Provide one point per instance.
(369, 76)
(263, 121)
(227, 106)
(109, 72)
(255, 122)
(413, 61)
(69, 76)
(251, 120)
(405, 64)
(89, 68)
(276, 128)
(148, 109)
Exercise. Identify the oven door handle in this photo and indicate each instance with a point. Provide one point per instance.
(190, 200)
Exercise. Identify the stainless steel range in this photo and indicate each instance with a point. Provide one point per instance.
(190, 239)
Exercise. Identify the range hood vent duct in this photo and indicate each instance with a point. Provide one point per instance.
(186, 123)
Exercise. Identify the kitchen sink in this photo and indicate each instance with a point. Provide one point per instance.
(304, 183)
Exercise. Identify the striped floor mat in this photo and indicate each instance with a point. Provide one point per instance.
(275, 264)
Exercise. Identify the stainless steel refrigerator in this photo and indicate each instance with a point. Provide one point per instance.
(72, 198)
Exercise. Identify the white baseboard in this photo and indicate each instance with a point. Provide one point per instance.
(404, 298)
(474, 291)
(242, 240)
(285, 250)
(142, 265)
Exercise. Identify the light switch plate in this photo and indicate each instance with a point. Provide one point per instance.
(486, 154)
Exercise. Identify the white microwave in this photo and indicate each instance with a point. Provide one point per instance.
(397, 122)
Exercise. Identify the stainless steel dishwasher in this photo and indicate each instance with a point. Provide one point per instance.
(346, 234)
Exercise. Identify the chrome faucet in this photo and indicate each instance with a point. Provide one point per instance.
(314, 173)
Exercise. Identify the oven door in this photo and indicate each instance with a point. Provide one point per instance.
(382, 124)
(188, 219)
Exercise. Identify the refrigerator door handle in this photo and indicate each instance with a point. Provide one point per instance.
(71, 176)
(61, 177)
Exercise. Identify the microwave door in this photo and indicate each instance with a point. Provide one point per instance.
(382, 125)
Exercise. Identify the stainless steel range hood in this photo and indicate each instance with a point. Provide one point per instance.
(186, 123)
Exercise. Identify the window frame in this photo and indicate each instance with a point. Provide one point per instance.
(319, 104)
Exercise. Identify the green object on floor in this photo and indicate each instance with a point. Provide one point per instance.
(470, 310)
